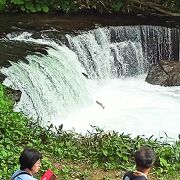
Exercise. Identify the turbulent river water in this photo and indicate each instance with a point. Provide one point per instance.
(94, 77)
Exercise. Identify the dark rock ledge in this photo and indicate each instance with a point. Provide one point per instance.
(164, 73)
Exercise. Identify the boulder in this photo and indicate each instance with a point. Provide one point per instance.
(2, 77)
(14, 94)
(164, 73)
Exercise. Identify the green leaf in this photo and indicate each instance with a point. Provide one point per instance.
(117, 6)
(3, 154)
(45, 9)
(2, 2)
(95, 165)
(105, 152)
(22, 8)
(38, 7)
(17, 2)
(163, 162)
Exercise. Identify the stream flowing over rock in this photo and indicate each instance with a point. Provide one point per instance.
(164, 73)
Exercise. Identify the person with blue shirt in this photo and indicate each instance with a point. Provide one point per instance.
(30, 162)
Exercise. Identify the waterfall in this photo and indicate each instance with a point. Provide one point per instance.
(114, 52)
(105, 59)
(53, 85)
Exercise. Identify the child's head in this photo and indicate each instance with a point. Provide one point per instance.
(30, 159)
(144, 157)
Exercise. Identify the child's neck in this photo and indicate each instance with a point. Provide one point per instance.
(142, 171)
(28, 171)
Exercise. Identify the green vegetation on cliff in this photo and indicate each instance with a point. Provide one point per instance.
(62, 150)
(163, 7)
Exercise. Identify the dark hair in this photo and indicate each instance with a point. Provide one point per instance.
(144, 157)
(28, 158)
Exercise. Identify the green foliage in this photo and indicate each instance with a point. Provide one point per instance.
(168, 158)
(19, 2)
(2, 4)
(70, 6)
(101, 149)
(117, 5)
(65, 6)
(38, 5)
(176, 6)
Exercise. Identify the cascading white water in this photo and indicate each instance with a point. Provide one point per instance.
(114, 58)
(52, 86)
(131, 106)
(103, 58)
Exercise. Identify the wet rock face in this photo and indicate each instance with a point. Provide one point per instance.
(165, 73)
(2, 77)
(14, 94)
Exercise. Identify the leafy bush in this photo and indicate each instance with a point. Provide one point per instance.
(37, 6)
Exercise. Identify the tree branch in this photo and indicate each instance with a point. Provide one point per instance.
(156, 7)
(105, 7)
